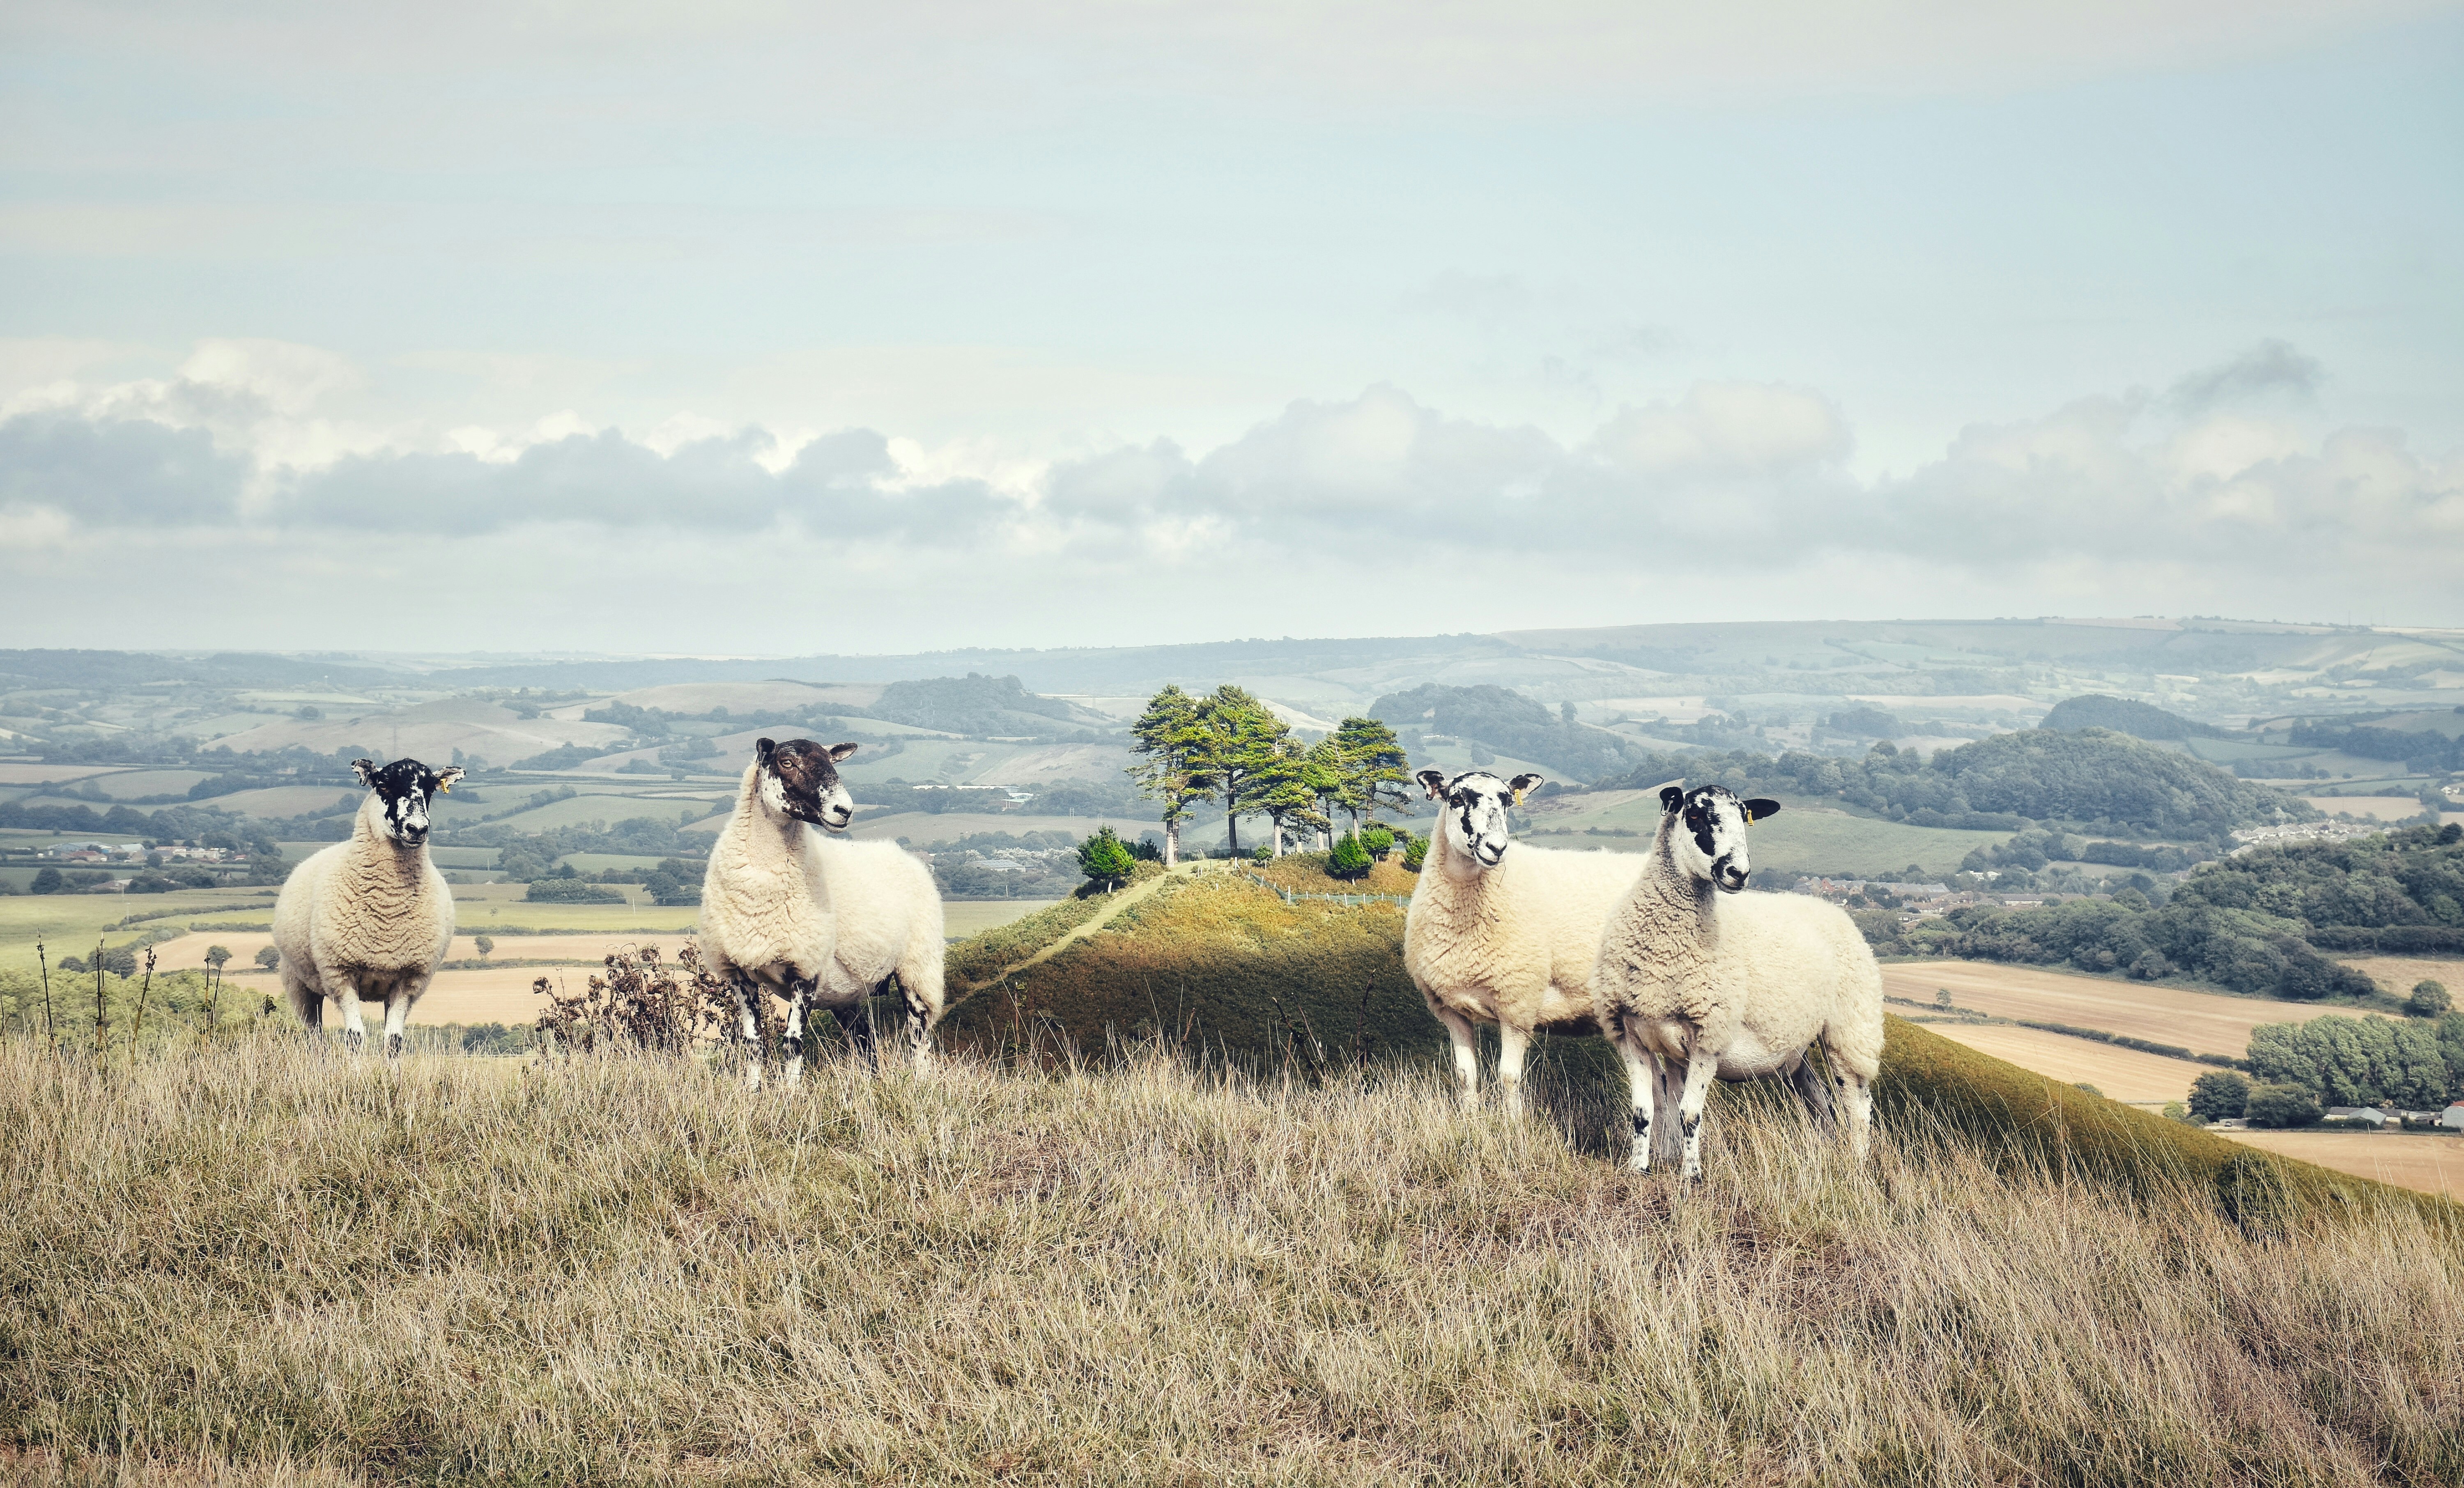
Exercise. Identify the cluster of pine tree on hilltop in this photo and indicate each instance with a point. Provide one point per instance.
(1226, 747)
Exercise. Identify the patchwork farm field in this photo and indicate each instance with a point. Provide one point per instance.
(2423, 1162)
(2205, 1022)
(2398, 976)
(2130, 1076)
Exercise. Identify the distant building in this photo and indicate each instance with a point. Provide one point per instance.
(2453, 1118)
(2369, 1116)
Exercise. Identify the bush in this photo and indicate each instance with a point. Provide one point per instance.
(2428, 999)
(1378, 840)
(151, 884)
(1104, 859)
(569, 890)
(1416, 851)
(2282, 1106)
(269, 957)
(49, 880)
(1262, 855)
(1350, 858)
(2219, 1095)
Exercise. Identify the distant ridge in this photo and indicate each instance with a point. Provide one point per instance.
(2140, 720)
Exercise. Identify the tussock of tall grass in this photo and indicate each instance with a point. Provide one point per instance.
(269, 1258)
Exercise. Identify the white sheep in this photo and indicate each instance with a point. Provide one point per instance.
(1502, 937)
(889, 914)
(1695, 973)
(368, 918)
(766, 921)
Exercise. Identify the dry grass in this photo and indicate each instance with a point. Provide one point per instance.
(269, 1261)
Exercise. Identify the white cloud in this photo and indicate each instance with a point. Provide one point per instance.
(2115, 498)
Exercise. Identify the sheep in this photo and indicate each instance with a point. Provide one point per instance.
(1693, 973)
(889, 913)
(765, 903)
(371, 916)
(1504, 938)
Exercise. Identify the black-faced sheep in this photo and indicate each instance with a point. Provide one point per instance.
(766, 926)
(369, 919)
(1732, 985)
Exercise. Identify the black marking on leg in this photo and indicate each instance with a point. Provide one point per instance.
(792, 1046)
(1642, 1127)
(1687, 1125)
(394, 1047)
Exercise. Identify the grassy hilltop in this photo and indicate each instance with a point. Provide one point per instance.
(1251, 1241)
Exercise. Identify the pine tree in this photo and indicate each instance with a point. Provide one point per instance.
(1171, 735)
(1283, 791)
(1373, 769)
(1242, 741)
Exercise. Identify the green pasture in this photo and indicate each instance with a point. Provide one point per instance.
(70, 924)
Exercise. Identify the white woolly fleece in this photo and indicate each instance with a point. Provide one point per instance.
(765, 904)
(1514, 944)
(889, 914)
(369, 914)
(1753, 976)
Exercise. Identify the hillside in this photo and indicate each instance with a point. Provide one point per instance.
(632, 1270)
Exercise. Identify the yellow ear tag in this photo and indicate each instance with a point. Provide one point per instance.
(1518, 797)
(1749, 819)
(447, 786)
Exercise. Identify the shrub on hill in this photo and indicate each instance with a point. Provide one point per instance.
(2280, 1106)
(564, 756)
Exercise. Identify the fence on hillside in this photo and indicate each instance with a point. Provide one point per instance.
(1292, 896)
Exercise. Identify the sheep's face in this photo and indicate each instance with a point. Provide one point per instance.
(800, 778)
(403, 790)
(1706, 832)
(1475, 803)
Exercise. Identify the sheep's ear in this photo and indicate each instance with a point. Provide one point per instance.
(839, 751)
(366, 769)
(1522, 783)
(1670, 795)
(1433, 782)
(446, 778)
(1759, 807)
(763, 748)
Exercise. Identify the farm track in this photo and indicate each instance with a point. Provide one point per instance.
(1118, 903)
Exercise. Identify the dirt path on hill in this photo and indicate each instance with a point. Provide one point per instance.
(1113, 907)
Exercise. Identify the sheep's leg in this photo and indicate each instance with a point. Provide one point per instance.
(800, 1000)
(922, 979)
(1856, 1093)
(307, 1003)
(397, 1006)
(1702, 1067)
(748, 1026)
(857, 1018)
(354, 1029)
(1806, 1080)
(1642, 1082)
(1466, 1052)
(1511, 1043)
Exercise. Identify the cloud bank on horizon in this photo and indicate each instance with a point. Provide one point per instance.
(752, 328)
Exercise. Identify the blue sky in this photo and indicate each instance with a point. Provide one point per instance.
(743, 327)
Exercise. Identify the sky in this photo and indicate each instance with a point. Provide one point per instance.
(754, 328)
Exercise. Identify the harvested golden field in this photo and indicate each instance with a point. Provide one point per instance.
(2397, 974)
(2411, 1160)
(2204, 1022)
(2127, 1075)
(265, 1261)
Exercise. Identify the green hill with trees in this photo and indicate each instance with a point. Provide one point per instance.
(1508, 723)
(2123, 716)
(2097, 782)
